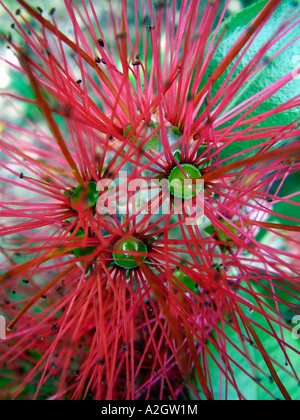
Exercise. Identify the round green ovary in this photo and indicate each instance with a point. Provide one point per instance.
(128, 246)
(87, 195)
(178, 187)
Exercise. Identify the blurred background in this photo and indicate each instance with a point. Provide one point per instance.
(61, 16)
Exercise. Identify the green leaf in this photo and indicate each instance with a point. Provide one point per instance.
(184, 279)
(291, 186)
(288, 301)
(219, 233)
(237, 350)
(153, 144)
(287, 61)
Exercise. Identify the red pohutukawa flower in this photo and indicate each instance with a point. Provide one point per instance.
(150, 230)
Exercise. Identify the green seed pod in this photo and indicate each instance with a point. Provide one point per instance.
(87, 194)
(126, 260)
(178, 187)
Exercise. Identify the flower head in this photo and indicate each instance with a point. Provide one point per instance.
(146, 251)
